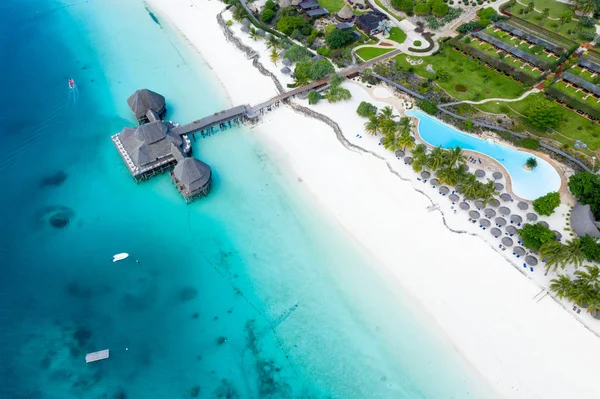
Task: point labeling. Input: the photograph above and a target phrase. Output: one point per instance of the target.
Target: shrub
(587, 22)
(543, 114)
(366, 109)
(404, 5)
(422, 9)
(297, 53)
(417, 43)
(442, 75)
(535, 235)
(460, 88)
(324, 51)
(488, 14)
(590, 248)
(439, 9)
(530, 143)
(468, 27)
(287, 25)
(566, 16)
(339, 38)
(428, 106)
(468, 124)
(270, 5)
(432, 22)
(314, 97)
(547, 204)
(585, 187)
(319, 69)
(267, 15)
(587, 35)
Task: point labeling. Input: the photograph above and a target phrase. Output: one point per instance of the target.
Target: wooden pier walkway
(243, 112)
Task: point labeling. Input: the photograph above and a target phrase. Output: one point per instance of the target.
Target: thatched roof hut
(474, 214)
(480, 173)
(287, 62)
(286, 70)
(532, 217)
(345, 14)
(519, 251)
(516, 219)
(464, 206)
(497, 175)
(499, 186)
(504, 210)
(496, 232)
(507, 241)
(484, 223)
(583, 221)
(145, 100)
(500, 221)
(523, 205)
(489, 213)
(192, 177)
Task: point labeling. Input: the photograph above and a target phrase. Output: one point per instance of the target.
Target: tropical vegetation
(585, 186)
(583, 290)
(535, 235)
(336, 92)
(531, 163)
(546, 204)
(366, 109)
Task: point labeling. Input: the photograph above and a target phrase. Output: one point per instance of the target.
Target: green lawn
(583, 73)
(380, 4)
(556, 8)
(397, 35)
(473, 80)
(568, 30)
(520, 44)
(573, 126)
(367, 53)
(332, 6)
(577, 93)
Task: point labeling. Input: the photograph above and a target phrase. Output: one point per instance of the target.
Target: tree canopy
(297, 53)
(406, 6)
(585, 186)
(366, 109)
(422, 9)
(339, 38)
(547, 204)
(590, 248)
(428, 106)
(314, 97)
(288, 25)
(536, 235)
(439, 8)
(544, 114)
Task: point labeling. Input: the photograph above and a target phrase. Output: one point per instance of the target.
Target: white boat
(120, 256)
(95, 356)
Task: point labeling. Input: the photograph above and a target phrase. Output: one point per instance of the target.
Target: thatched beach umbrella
(464, 206)
(507, 241)
(504, 210)
(425, 174)
(496, 232)
(465, 168)
(494, 202)
(261, 32)
(434, 182)
(511, 230)
(454, 198)
(286, 70)
(497, 175)
(505, 197)
(478, 204)
(557, 234)
(444, 190)
(408, 161)
(532, 217)
(531, 260)
(245, 29)
(233, 9)
(479, 173)
(474, 214)
(246, 22)
(485, 223)
(519, 251)
(286, 62)
(523, 205)
(489, 213)
(399, 154)
(500, 221)
(516, 219)
(544, 224)
(499, 186)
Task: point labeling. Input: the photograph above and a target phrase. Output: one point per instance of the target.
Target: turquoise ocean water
(249, 293)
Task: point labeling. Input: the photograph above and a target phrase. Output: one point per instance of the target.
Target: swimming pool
(525, 184)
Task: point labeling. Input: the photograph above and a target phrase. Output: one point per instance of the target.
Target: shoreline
(458, 323)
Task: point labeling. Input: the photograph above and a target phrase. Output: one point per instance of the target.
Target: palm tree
(419, 158)
(390, 141)
(574, 253)
(581, 294)
(561, 286)
(372, 125)
(594, 306)
(487, 191)
(590, 277)
(387, 113)
(455, 157)
(469, 185)
(272, 42)
(274, 55)
(447, 175)
(436, 158)
(554, 251)
(253, 34)
(585, 6)
(404, 124)
(405, 141)
(388, 126)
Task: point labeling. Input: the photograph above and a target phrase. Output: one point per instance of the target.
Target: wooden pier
(95, 356)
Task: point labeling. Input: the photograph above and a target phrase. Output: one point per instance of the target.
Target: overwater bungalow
(147, 105)
(192, 178)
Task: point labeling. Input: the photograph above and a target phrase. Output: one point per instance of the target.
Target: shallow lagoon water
(248, 293)
(525, 183)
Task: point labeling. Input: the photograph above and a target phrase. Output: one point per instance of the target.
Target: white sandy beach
(486, 307)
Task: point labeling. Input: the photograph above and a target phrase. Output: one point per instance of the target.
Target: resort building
(583, 222)
(147, 105)
(345, 14)
(369, 22)
(192, 177)
(308, 5)
(312, 9)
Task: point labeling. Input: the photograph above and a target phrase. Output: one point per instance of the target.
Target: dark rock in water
(54, 180)
(216, 318)
(119, 394)
(75, 352)
(230, 311)
(59, 221)
(46, 362)
(226, 390)
(199, 357)
(221, 340)
(195, 315)
(195, 391)
(188, 293)
(82, 336)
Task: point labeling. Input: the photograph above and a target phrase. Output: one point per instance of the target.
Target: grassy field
(556, 8)
(397, 35)
(568, 30)
(469, 79)
(520, 44)
(332, 6)
(367, 53)
(573, 126)
(583, 73)
(577, 93)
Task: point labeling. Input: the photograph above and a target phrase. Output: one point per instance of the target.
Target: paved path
(505, 100)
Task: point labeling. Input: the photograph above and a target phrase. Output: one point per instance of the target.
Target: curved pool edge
(509, 186)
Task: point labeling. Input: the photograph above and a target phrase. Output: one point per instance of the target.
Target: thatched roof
(434, 182)
(444, 190)
(425, 174)
(497, 175)
(143, 100)
(489, 213)
(148, 143)
(484, 223)
(478, 204)
(531, 260)
(245, 29)
(523, 205)
(464, 206)
(507, 241)
(545, 224)
(474, 214)
(286, 62)
(193, 174)
(454, 198)
(557, 234)
(479, 173)
(505, 197)
(496, 232)
(399, 154)
(583, 221)
(511, 230)
(246, 22)
(500, 221)
(345, 13)
(499, 186)
(519, 251)
(317, 57)
(531, 217)
(516, 219)
(504, 210)
(286, 70)
(494, 202)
